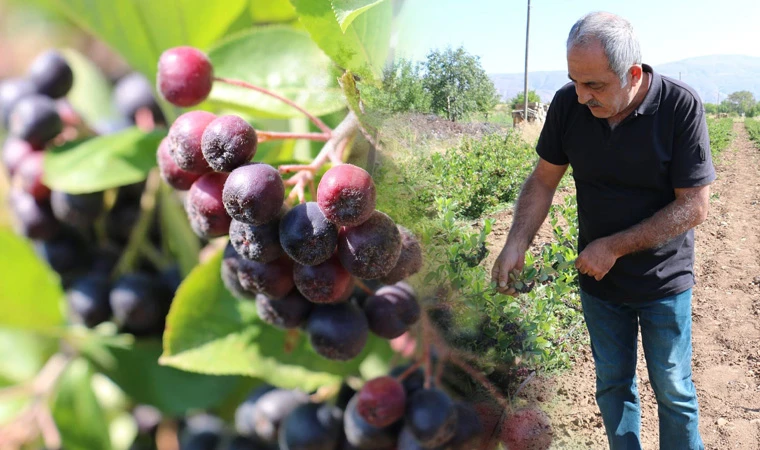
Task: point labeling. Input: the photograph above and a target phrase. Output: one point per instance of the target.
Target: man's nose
(584, 96)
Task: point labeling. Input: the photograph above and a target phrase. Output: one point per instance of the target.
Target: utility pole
(527, 35)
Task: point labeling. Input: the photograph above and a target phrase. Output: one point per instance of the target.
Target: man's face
(597, 86)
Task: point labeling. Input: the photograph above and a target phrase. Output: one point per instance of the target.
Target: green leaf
(140, 30)
(76, 411)
(209, 331)
(269, 11)
(280, 59)
(90, 95)
(348, 10)
(363, 48)
(24, 354)
(182, 241)
(103, 162)
(30, 293)
(136, 371)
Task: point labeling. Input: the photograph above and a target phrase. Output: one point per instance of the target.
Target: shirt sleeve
(549, 145)
(691, 164)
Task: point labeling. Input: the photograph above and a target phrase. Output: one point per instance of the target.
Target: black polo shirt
(624, 175)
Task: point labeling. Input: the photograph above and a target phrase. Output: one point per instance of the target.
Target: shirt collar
(651, 101)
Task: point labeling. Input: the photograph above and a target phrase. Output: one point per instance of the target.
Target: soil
(726, 324)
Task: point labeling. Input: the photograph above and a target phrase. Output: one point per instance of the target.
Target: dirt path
(726, 327)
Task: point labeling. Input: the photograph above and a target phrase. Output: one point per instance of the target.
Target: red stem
(264, 136)
(321, 125)
(408, 371)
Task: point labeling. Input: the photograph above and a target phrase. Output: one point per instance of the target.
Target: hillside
(710, 76)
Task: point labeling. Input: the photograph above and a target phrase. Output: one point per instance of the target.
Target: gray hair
(620, 44)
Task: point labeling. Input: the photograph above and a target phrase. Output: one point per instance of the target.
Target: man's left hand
(596, 259)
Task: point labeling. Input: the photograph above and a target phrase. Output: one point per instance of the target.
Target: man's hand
(596, 259)
(510, 260)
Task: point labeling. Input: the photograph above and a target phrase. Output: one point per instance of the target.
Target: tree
(519, 100)
(711, 108)
(740, 102)
(457, 84)
(401, 89)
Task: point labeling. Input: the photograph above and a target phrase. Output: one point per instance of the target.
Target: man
(639, 148)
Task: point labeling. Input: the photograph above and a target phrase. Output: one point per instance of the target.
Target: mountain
(711, 76)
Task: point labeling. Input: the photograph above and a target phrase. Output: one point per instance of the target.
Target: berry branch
(314, 119)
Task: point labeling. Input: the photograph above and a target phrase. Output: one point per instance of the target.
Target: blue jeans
(666, 338)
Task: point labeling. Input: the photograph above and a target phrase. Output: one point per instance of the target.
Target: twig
(456, 360)
(410, 370)
(264, 136)
(523, 384)
(314, 119)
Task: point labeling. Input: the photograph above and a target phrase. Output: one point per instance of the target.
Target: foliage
(480, 174)
(753, 129)
(457, 83)
(721, 134)
(519, 100)
(538, 328)
(401, 90)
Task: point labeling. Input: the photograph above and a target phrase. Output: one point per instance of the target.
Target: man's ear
(636, 72)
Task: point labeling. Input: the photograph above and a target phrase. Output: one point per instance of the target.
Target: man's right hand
(510, 260)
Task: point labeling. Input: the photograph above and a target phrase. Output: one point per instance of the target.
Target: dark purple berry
(138, 302)
(34, 218)
(185, 140)
(68, 254)
(383, 318)
(326, 282)
(134, 92)
(35, 119)
(11, 91)
(257, 242)
(370, 250)
(381, 401)
(337, 331)
(228, 142)
(230, 265)
(312, 426)
(402, 297)
(346, 195)
(51, 74)
(273, 279)
(185, 76)
(88, 300)
(409, 261)
(171, 173)
(204, 206)
(271, 409)
(287, 312)
(431, 417)
(306, 235)
(254, 193)
(78, 210)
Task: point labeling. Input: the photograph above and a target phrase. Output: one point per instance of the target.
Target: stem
(523, 384)
(361, 285)
(314, 119)
(410, 370)
(426, 353)
(140, 231)
(264, 136)
(456, 360)
(152, 254)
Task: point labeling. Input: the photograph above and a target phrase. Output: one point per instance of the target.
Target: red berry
(184, 139)
(185, 76)
(172, 174)
(204, 206)
(382, 401)
(29, 174)
(346, 195)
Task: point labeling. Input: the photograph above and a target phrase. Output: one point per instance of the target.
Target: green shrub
(753, 128)
(721, 134)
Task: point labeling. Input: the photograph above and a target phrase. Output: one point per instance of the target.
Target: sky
(494, 30)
